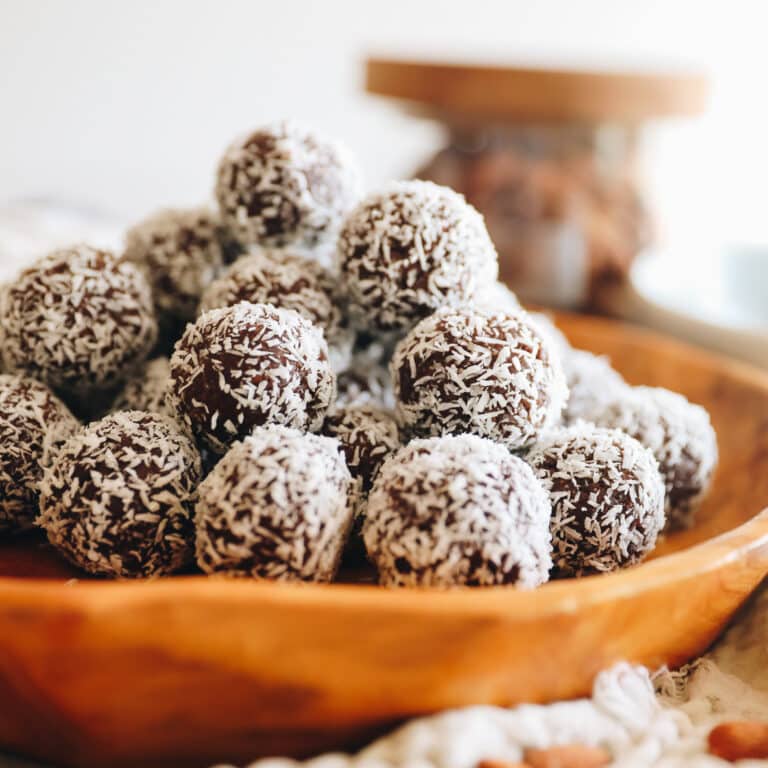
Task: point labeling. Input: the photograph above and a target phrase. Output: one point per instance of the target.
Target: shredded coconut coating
(290, 281)
(33, 425)
(592, 384)
(146, 391)
(490, 374)
(409, 250)
(681, 437)
(498, 297)
(460, 510)
(284, 185)
(119, 499)
(367, 380)
(248, 365)
(367, 436)
(78, 319)
(371, 385)
(547, 328)
(279, 506)
(180, 251)
(607, 498)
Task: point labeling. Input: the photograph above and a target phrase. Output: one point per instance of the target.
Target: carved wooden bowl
(190, 671)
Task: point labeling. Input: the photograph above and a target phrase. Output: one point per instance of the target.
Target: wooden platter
(192, 671)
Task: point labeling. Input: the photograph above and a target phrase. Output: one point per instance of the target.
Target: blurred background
(110, 110)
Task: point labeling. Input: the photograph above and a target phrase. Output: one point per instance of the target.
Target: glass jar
(552, 160)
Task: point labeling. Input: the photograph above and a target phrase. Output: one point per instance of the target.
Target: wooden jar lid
(530, 94)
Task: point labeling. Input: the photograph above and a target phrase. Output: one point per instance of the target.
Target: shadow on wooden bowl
(189, 671)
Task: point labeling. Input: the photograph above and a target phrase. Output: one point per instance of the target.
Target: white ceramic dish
(718, 300)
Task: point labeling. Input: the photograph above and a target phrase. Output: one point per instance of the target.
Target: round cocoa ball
(180, 252)
(282, 185)
(78, 319)
(146, 390)
(592, 384)
(367, 436)
(248, 365)
(279, 506)
(681, 438)
(409, 250)
(489, 374)
(458, 510)
(290, 281)
(33, 425)
(119, 499)
(607, 498)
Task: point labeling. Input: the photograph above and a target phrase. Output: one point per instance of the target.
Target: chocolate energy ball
(460, 510)
(146, 391)
(490, 374)
(409, 250)
(78, 319)
(284, 185)
(367, 436)
(279, 505)
(290, 281)
(181, 253)
(681, 438)
(607, 498)
(119, 499)
(592, 384)
(248, 365)
(33, 425)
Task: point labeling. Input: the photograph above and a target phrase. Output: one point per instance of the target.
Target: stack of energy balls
(300, 375)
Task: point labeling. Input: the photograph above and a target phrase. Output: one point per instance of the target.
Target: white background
(126, 106)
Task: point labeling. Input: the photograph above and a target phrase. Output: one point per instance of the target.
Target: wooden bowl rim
(555, 597)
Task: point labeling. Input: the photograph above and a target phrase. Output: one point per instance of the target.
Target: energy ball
(489, 374)
(409, 250)
(279, 505)
(119, 499)
(181, 253)
(78, 319)
(284, 185)
(367, 436)
(248, 365)
(459, 510)
(146, 391)
(289, 281)
(592, 384)
(33, 425)
(681, 438)
(607, 498)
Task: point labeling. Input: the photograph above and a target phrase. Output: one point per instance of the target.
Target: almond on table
(739, 740)
(568, 756)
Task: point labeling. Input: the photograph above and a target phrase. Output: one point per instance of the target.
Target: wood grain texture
(188, 671)
(526, 94)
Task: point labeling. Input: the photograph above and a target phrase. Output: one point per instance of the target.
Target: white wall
(126, 105)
